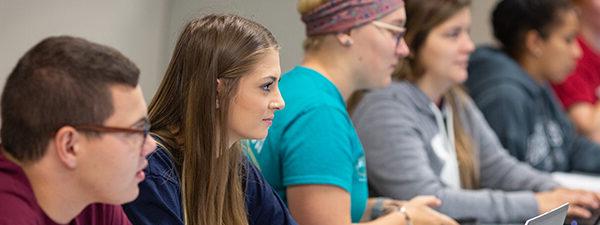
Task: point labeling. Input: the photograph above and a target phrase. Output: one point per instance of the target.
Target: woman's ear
(219, 88)
(219, 85)
(534, 43)
(344, 39)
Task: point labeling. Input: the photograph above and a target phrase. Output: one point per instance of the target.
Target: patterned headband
(341, 15)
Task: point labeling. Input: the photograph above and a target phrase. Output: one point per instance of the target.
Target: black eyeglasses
(396, 31)
(108, 129)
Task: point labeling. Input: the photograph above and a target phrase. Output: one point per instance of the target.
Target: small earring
(217, 103)
(537, 52)
(347, 42)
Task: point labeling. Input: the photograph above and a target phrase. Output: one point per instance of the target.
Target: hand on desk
(580, 201)
(420, 211)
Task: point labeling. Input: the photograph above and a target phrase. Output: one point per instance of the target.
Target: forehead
(266, 66)
(128, 105)
(565, 22)
(568, 19)
(460, 17)
(398, 16)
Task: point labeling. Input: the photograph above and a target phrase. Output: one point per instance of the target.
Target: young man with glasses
(74, 135)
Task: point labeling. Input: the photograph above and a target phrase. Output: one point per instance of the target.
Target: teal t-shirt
(312, 140)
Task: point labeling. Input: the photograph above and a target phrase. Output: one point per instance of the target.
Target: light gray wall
(481, 28)
(279, 16)
(146, 30)
(135, 27)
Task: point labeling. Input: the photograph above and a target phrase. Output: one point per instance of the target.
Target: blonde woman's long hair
(190, 117)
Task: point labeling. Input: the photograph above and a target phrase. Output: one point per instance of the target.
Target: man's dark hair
(60, 81)
(512, 19)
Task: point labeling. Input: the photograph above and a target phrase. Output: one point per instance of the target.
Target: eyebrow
(390, 26)
(272, 78)
(399, 22)
(141, 121)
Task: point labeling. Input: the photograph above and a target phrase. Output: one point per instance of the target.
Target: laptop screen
(554, 217)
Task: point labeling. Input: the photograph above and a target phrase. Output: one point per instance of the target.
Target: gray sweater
(396, 126)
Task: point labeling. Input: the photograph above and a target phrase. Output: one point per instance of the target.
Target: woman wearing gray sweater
(424, 136)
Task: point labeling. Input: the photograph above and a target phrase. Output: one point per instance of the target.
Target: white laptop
(553, 217)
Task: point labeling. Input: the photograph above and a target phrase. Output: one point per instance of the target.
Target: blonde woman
(312, 155)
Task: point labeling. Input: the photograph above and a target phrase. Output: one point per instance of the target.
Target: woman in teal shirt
(312, 155)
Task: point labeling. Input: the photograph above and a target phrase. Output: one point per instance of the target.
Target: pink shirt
(18, 205)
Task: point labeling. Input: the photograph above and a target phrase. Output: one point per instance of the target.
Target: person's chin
(259, 134)
(558, 79)
(461, 76)
(123, 196)
(382, 83)
(132, 196)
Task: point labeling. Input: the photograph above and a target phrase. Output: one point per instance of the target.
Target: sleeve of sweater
(585, 154)
(498, 169)
(398, 167)
(507, 112)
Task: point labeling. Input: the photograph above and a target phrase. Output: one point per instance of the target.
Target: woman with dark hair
(424, 136)
(579, 93)
(312, 155)
(221, 86)
(511, 84)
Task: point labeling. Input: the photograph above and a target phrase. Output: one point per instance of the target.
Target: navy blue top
(159, 202)
(526, 116)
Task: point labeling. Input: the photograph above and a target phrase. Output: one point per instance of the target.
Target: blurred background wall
(146, 30)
